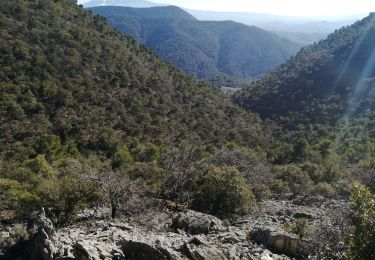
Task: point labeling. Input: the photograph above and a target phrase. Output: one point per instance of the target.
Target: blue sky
(282, 7)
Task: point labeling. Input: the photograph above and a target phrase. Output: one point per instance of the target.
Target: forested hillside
(201, 48)
(74, 91)
(323, 82)
(324, 100)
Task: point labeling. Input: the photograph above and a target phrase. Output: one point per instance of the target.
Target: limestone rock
(280, 241)
(188, 235)
(137, 250)
(196, 249)
(83, 250)
(41, 245)
(41, 222)
(196, 223)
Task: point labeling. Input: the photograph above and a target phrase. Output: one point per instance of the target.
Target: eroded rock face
(142, 250)
(84, 250)
(41, 243)
(10, 236)
(196, 223)
(109, 240)
(266, 227)
(197, 249)
(280, 241)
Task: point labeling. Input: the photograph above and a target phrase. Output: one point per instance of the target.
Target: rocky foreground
(175, 235)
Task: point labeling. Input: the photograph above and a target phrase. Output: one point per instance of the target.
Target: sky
(280, 7)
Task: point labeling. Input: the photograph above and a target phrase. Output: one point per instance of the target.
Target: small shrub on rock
(300, 227)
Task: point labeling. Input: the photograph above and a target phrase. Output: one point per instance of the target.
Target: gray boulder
(196, 223)
(197, 249)
(279, 241)
(85, 251)
(139, 250)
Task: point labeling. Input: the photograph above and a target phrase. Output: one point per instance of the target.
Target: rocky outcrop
(94, 240)
(196, 223)
(177, 236)
(92, 250)
(147, 251)
(41, 243)
(105, 239)
(266, 227)
(10, 237)
(279, 241)
(197, 249)
(140, 250)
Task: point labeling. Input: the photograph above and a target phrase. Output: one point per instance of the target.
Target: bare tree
(115, 185)
(255, 170)
(182, 164)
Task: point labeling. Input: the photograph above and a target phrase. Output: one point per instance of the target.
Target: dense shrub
(296, 179)
(224, 191)
(362, 242)
(34, 184)
(324, 189)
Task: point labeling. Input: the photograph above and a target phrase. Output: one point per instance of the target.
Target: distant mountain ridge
(202, 48)
(155, 12)
(305, 30)
(323, 82)
(129, 3)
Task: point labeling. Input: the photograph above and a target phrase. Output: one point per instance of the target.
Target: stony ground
(177, 235)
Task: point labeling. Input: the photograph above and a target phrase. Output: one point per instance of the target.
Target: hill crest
(202, 48)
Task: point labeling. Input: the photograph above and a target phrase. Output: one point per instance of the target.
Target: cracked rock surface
(182, 235)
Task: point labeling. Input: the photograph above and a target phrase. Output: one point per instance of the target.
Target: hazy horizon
(305, 8)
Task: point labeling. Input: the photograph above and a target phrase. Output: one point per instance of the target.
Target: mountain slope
(67, 73)
(201, 48)
(323, 81)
